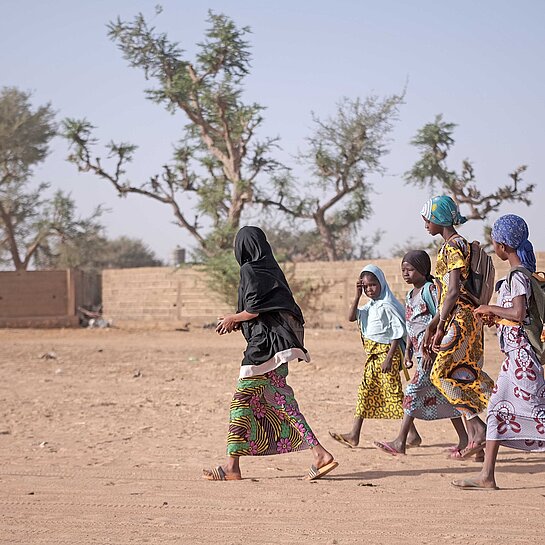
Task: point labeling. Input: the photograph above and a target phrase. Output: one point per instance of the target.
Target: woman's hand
(482, 310)
(408, 359)
(427, 362)
(437, 338)
(226, 324)
(486, 315)
(232, 322)
(387, 365)
(427, 341)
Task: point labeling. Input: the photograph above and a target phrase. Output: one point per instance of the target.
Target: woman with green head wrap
(454, 334)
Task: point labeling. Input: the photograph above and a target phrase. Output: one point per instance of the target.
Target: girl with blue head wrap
(512, 231)
(516, 414)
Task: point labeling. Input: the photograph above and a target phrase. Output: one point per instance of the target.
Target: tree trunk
(12, 243)
(325, 234)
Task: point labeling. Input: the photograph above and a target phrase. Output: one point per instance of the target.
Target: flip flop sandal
(387, 449)
(315, 473)
(470, 484)
(340, 439)
(468, 452)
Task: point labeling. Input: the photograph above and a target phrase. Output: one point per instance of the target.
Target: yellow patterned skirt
(380, 394)
(457, 370)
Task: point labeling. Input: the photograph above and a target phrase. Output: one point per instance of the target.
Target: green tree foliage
(223, 274)
(30, 221)
(293, 244)
(431, 171)
(219, 158)
(93, 251)
(342, 152)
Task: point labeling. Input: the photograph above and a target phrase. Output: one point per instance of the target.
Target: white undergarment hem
(277, 360)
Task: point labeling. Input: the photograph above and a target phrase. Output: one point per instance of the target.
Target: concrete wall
(45, 298)
(164, 297)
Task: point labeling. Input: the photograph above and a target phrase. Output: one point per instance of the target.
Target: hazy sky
(480, 64)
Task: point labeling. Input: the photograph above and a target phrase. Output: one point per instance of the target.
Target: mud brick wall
(43, 298)
(165, 297)
(158, 296)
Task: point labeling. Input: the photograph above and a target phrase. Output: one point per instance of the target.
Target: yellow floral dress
(380, 395)
(457, 370)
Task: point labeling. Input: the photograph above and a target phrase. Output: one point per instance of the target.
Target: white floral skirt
(516, 411)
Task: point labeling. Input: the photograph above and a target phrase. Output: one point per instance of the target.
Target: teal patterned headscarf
(443, 211)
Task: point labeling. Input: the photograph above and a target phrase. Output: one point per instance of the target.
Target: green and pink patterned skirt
(265, 418)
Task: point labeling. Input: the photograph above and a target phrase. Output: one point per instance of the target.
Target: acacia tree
(29, 221)
(219, 158)
(341, 154)
(434, 140)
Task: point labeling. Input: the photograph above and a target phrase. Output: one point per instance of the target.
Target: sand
(103, 435)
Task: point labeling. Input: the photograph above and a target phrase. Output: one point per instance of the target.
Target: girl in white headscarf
(382, 328)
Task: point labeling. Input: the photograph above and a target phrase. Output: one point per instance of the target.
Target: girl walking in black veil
(264, 416)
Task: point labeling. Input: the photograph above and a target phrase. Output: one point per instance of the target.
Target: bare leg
(399, 444)
(413, 437)
(458, 424)
(486, 478)
(476, 430)
(353, 436)
(322, 457)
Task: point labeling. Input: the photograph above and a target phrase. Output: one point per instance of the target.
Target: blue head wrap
(513, 231)
(443, 211)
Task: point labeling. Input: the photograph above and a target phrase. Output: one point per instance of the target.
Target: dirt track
(105, 443)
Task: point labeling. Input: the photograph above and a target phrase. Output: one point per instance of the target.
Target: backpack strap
(538, 295)
(428, 298)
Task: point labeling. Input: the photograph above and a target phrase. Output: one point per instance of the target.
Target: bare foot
(391, 447)
(477, 483)
(414, 439)
(457, 448)
(345, 439)
(322, 457)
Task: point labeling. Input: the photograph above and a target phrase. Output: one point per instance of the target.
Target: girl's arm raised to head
(353, 310)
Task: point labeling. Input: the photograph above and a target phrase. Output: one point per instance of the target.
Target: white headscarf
(382, 320)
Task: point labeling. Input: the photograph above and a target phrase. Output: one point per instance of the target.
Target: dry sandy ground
(105, 444)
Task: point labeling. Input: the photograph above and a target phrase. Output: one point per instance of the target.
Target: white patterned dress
(516, 411)
(422, 399)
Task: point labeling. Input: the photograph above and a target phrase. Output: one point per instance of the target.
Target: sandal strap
(218, 474)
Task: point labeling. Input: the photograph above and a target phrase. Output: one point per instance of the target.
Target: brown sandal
(217, 474)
